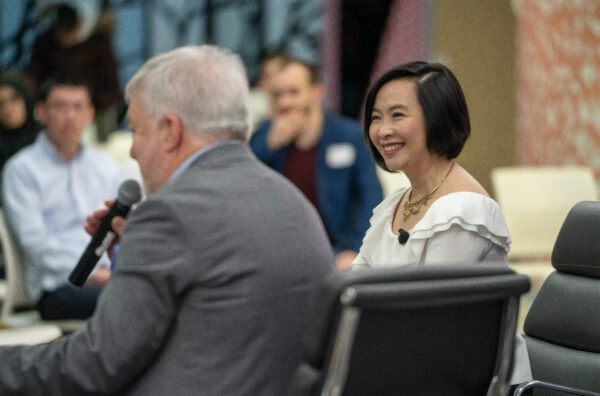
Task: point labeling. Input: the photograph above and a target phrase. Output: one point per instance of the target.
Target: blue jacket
(347, 184)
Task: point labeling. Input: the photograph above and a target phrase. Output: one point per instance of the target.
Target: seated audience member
(66, 48)
(216, 270)
(416, 121)
(260, 95)
(18, 127)
(322, 154)
(48, 189)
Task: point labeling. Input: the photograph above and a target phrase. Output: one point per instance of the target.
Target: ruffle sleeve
(468, 210)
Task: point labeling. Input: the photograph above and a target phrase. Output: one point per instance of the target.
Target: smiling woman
(416, 121)
(397, 125)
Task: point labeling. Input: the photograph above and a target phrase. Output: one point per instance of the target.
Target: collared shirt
(46, 200)
(186, 164)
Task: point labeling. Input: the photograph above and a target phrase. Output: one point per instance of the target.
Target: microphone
(403, 236)
(129, 193)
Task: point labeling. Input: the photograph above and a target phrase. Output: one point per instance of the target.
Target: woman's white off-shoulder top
(460, 227)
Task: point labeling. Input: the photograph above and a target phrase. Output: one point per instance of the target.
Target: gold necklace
(411, 208)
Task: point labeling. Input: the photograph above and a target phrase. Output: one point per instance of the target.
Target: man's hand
(286, 128)
(117, 224)
(99, 277)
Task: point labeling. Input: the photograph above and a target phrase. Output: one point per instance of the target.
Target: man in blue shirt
(48, 189)
(322, 154)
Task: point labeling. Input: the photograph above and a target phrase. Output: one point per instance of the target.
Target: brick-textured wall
(558, 82)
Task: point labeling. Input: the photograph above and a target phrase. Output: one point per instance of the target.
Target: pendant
(411, 208)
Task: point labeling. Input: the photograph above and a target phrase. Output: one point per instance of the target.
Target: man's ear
(172, 132)
(317, 92)
(91, 113)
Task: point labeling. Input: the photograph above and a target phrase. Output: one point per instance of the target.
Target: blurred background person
(18, 127)
(63, 48)
(417, 122)
(322, 154)
(48, 189)
(260, 94)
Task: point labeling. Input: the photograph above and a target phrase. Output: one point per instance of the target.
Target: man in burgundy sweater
(322, 154)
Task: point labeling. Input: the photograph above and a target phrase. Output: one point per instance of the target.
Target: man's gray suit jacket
(210, 294)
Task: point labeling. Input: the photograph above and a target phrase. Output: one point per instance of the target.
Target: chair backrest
(562, 326)
(535, 201)
(17, 295)
(412, 331)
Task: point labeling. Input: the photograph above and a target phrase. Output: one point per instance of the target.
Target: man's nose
(285, 101)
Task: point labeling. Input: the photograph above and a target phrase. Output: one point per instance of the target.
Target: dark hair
(273, 55)
(312, 68)
(66, 17)
(442, 100)
(69, 80)
(17, 80)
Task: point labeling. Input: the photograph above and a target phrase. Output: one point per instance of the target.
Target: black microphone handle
(101, 240)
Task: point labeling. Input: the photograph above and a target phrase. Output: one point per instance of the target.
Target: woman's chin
(393, 165)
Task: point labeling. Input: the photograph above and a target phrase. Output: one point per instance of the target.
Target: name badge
(340, 155)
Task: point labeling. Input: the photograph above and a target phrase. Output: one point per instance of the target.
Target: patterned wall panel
(145, 28)
(251, 28)
(558, 80)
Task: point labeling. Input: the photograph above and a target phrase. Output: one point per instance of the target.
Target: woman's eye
(375, 117)
(397, 114)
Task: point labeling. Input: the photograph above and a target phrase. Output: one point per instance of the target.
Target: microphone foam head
(403, 236)
(129, 192)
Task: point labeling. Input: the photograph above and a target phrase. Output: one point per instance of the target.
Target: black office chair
(562, 326)
(430, 330)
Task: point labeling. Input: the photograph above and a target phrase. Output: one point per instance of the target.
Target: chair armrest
(541, 384)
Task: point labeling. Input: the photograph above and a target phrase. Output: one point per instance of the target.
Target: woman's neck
(428, 176)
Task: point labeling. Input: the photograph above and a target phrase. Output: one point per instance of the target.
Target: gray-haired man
(216, 269)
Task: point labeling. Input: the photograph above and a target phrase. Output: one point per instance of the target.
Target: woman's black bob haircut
(442, 100)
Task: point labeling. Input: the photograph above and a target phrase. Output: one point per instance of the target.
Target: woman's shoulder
(464, 197)
(462, 181)
(464, 202)
(470, 211)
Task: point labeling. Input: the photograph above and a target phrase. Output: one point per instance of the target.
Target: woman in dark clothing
(18, 127)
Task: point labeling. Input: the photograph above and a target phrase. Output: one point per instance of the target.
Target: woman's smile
(392, 148)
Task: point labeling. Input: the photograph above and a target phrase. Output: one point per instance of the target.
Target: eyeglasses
(63, 107)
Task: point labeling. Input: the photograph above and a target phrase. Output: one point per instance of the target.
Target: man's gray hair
(205, 86)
